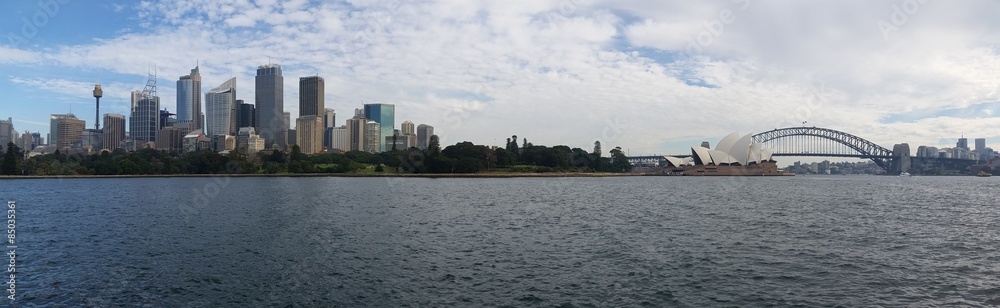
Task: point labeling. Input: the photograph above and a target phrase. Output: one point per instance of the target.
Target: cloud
(558, 71)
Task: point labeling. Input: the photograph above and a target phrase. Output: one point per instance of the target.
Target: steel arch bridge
(816, 141)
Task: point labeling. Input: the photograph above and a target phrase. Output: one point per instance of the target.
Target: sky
(653, 77)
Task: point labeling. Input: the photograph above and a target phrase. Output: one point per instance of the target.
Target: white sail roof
(701, 155)
(721, 157)
(727, 142)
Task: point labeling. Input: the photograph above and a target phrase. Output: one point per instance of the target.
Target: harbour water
(515, 242)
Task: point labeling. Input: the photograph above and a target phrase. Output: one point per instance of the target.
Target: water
(569, 242)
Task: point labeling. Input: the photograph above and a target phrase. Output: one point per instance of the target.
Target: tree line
(462, 157)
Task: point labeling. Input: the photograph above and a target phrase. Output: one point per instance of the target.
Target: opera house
(733, 156)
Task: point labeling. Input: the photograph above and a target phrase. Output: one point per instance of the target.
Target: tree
(11, 160)
(434, 146)
(297, 154)
(504, 157)
(597, 161)
(619, 162)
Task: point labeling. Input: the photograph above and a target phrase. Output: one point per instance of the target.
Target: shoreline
(348, 175)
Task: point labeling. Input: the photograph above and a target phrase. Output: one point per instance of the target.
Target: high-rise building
(329, 118)
(311, 92)
(114, 131)
(340, 139)
(66, 130)
(189, 99)
(220, 109)
(269, 101)
(167, 119)
(398, 141)
(247, 115)
(170, 139)
(145, 119)
(407, 128)
(356, 133)
(385, 115)
(288, 121)
(424, 133)
(92, 139)
(7, 132)
(963, 143)
(36, 140)
(980, 144)
(24, 142)
(373, 137)
(309, 134)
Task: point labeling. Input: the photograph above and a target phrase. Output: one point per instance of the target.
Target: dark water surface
(531, 242)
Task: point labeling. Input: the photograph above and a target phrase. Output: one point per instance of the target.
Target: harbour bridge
(816, 141)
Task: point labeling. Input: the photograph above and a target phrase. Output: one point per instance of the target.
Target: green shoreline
(349, 175)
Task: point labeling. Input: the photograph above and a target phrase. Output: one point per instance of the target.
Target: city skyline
(563, 55)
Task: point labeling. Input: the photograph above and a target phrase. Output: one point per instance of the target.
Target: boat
(984, 174)
(904, 174)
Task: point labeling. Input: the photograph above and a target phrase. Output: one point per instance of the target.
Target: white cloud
(559, 71)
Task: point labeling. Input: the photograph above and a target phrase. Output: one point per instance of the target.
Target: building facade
(66, 130)
(340, 140)
(247, 115)
(269, 102)
(356, 133)
(329, 120)
(248, 141)
(170, 139)
(145, 119)
(220, 109)
(114, 131)
(311, 92)
(309, 134)
(7, 132)
(373, 137)
(424, 133)
(189, 99)
(385, 115)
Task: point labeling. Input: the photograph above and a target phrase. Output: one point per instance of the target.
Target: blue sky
(652, 77)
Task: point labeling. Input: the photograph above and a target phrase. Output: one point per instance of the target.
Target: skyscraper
(189, 99)
(356, 133)
(66, 130)
(309, 134)
(145, 118)
(963, 143)
(384, 114)
(114, 131)
(424, 133)
(339, 138)
(373, 144)
(248, 115)
(311, 92)
(407, 128)
(7, 132)
(269, 101)
(980, 144)
(329, 118)
(220, 109)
